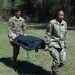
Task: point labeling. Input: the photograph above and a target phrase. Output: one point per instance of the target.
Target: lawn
(38, 63)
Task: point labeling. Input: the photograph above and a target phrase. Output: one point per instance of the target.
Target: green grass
(38, 63)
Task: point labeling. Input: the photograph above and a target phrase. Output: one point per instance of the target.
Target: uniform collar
(17, 18)
(58, 23)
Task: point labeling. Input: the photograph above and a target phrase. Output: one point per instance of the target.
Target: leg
(62, 57)
(56, 60)
(16, 50)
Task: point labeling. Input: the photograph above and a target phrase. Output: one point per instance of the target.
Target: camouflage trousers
(16, 50)
(59, 58)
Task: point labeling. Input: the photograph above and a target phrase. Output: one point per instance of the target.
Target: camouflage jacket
(16, 27)
(56, 34)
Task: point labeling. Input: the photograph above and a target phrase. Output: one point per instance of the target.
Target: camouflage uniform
(16, 27)
(55, 39)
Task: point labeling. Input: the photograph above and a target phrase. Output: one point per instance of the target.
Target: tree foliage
(44, 10)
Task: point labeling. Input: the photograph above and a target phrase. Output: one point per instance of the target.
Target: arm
(24, 28)
(9, 28)
(48, 35)
(65, 41)
(11, 35)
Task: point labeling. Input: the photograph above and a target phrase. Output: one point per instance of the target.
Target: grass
(38, 63)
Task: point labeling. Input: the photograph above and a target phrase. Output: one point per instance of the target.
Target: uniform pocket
(55, 44)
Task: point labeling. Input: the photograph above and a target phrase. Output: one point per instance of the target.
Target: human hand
(10, 39)
(46, 48)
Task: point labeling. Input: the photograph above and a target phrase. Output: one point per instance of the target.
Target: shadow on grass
(25, 67)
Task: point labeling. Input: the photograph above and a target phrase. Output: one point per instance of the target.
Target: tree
(42, 10)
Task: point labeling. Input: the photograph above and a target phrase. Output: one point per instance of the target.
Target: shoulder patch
(56, 23)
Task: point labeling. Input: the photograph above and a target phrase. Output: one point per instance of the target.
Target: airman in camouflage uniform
(16, 27)
(55, 40)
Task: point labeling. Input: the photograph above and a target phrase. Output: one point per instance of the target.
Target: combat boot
(54, 73)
